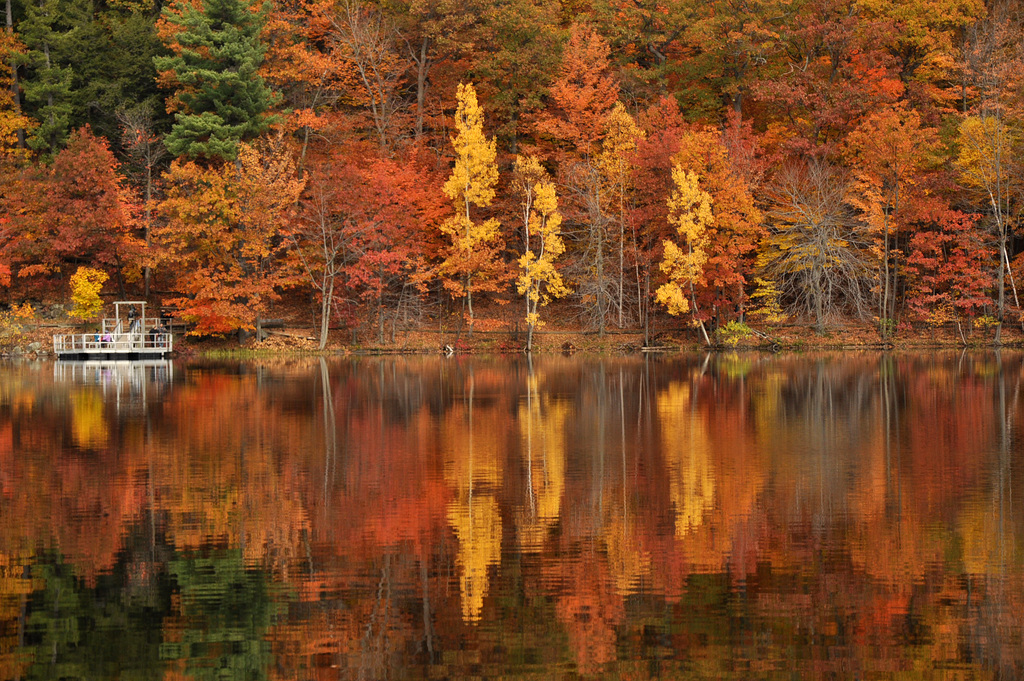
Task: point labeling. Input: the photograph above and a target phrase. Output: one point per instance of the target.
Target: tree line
(409, 160)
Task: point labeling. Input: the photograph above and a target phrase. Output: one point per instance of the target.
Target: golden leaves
(621, 135)
(690, 212)
(86, 284)
(689, 207)
(539, 281)
(475, 173)
(473, 255)
(987, 146)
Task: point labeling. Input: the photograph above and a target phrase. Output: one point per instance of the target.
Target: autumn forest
(393, 164)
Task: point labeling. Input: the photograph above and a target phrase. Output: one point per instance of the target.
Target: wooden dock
(128, 335)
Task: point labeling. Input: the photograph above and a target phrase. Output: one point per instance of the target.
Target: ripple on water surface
(727, 516)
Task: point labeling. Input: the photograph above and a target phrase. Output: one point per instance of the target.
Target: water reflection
(731, 516)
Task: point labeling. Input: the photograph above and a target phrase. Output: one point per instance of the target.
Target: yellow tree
(988, 147)
(86, 284)
(472, 259)
(539, 281)
(689, 211)
(621, 135)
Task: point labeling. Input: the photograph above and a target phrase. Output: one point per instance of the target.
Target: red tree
(950, 259)
(74, 212)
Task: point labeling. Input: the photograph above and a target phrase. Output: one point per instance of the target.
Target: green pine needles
(222, 98)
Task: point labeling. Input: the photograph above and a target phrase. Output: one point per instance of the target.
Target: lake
(736, 516)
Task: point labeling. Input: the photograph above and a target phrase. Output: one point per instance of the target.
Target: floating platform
(126, 336)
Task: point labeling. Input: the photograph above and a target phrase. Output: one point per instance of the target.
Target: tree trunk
(422, 68)
(147, 273)
(622, 262)
(469, 303)
(819, 309)
(529, 323)
(601, 311)
(885, 286)
(696, 315)
(302, 154)
(1001, 288)
(49, 93)
(325, 311)
(645, 306)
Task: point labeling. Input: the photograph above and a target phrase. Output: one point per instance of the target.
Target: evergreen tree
(221, 99)
(47, 26)
(113, 58)
(81, 62)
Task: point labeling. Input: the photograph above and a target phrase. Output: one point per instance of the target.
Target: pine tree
(47, 27)
(221, 100)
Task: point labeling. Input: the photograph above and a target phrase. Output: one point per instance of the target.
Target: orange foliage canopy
(223, 228)
(582, 94)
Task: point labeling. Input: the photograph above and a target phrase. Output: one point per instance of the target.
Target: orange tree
(221, 234)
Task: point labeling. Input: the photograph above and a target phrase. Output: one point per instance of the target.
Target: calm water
(736, 516)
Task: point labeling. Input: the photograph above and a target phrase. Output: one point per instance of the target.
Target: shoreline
(297, 341)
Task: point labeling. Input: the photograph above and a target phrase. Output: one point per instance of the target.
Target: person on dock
(157, 335)
(133, 321)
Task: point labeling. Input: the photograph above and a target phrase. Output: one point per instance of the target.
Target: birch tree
(538, 281)
(988, 145)
(689, 211)
(472, 262)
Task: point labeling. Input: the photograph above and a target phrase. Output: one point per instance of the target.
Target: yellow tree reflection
(473, 470)
(88, 426)
(688, 458)
(542, 430)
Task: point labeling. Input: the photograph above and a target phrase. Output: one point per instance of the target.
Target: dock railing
(113, 341)
(128, 332)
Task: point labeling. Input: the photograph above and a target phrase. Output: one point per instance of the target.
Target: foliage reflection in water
(728, 516)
